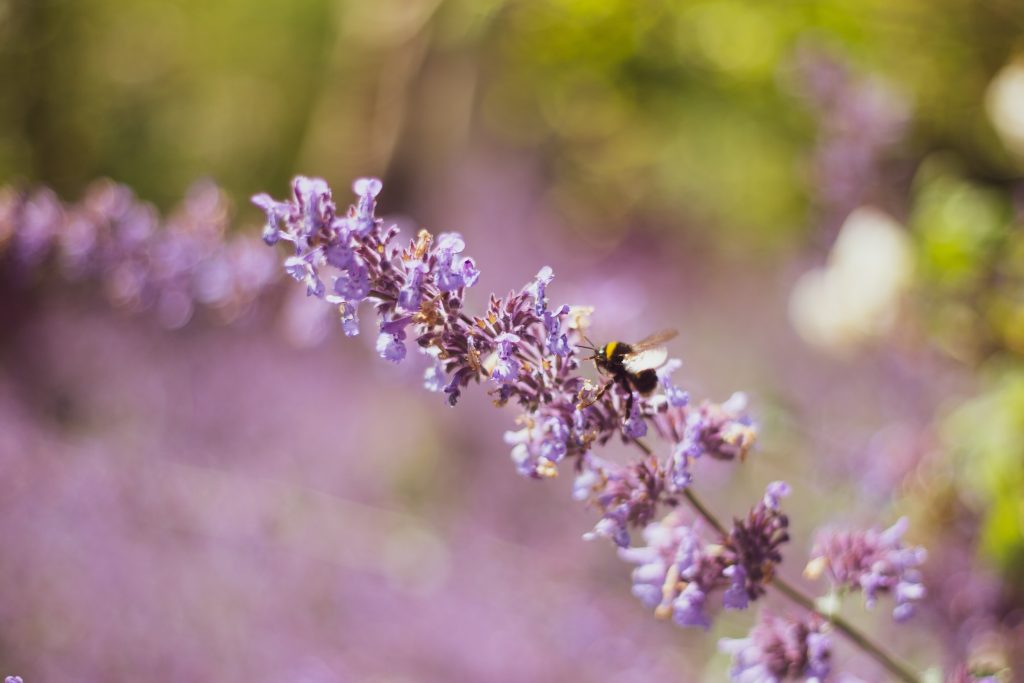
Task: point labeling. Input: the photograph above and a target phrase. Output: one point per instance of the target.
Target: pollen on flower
(741, 437)
(546, 469)
(423, 240)
(587, 395)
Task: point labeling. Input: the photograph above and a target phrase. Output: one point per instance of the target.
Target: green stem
(897, 669)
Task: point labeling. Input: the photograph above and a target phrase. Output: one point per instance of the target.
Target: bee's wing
(645, 359)
(656, 339)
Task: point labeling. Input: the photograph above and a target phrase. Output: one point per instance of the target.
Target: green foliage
(158, 93)
(986, 437)
(667, 115)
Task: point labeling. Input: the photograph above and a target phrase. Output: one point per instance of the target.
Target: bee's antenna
(592, 346)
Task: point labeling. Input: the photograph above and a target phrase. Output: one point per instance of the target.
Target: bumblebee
(632, 366)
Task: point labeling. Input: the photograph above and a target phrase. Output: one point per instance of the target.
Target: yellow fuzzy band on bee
(609, 349)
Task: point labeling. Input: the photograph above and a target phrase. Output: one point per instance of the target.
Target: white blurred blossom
(1005, 104)
(855, 297)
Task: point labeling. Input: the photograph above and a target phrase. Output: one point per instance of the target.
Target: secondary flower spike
(781, 649)
(679, 568)
(872, 561)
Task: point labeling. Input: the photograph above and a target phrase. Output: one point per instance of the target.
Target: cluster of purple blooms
(526, 351)
(141, 261)
(679, 568)
(874, 562)
(781, 648)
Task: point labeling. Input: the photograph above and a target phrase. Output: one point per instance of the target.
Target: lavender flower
(14, 679)
(755, 541)
(874, 562)
(720, 430)
(679, 568)
(676, 571)
(627, 495)
(141, 262)
(780, 649)
(524, 346)
(527, 348)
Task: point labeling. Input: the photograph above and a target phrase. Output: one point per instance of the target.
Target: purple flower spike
(874, 562)
(755, 542)
(781, 649)
(677, 571)
(721, 431)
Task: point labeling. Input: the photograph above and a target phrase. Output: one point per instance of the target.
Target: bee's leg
(629, 398)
